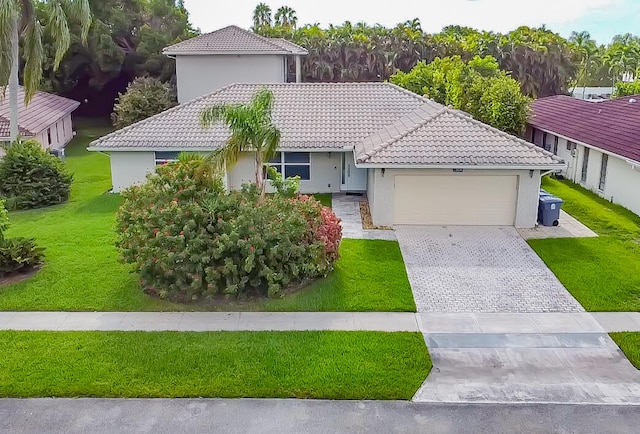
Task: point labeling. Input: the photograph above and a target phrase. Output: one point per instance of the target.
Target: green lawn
(83, 271)
(332, 365)
(323, 198)
(629, 343)
(602, 273)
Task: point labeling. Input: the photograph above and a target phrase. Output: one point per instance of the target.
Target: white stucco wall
(130, 168)
(325, 173)
(527, 201)
(203, 74)
(622, 183)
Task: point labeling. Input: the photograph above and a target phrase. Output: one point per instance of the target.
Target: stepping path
(347, 208)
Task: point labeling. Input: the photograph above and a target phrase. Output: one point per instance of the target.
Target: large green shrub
(190, 239)
(145, 97)
(30, 177)
(16, 254)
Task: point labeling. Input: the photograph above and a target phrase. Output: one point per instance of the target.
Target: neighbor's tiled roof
(436, 135)
(309, 115)
(43, 110)
(611, 125)
(234, 40)
(5, 129)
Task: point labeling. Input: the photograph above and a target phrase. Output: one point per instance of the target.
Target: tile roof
(309, 115)
(43, 110)
(610, 125)
(435, 135)
(384, 123)
(234, 40)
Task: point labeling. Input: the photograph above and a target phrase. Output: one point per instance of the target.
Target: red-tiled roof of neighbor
(611, 125)
(43, 110)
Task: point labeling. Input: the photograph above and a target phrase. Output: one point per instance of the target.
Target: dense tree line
(125, 41)
(542, 61)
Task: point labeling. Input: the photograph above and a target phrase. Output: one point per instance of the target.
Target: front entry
(353, 179)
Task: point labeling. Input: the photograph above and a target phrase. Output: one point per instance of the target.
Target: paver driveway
(478, 269)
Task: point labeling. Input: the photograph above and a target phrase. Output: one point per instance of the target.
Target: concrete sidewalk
(284, 416)
(455, 323)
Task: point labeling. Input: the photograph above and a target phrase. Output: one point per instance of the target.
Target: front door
(353, 179)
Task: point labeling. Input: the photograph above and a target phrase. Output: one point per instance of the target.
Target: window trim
(604, 162)
(555, 145)
(161, 161)
(585, 165)
(281, 165)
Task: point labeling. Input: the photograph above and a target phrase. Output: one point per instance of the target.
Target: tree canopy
(477, 87)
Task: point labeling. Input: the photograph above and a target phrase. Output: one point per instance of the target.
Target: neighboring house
(232, 55)
(418, 161)
(47, 118)
(600, 143)
(592, 93)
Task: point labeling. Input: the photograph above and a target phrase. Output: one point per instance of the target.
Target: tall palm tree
(261, 17)
(286, 18)
(251, 130)
(19, 20)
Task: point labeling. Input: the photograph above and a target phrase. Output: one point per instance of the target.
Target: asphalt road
(280, 416)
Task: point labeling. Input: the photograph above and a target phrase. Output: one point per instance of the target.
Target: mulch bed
(18, 276)
(367, 221)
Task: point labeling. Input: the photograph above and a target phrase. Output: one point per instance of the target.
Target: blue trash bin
(543, 193)
(549, 209)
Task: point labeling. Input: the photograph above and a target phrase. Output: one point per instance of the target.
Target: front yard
(602, 273)
(331, 365)
(629, 343)
(83, 270)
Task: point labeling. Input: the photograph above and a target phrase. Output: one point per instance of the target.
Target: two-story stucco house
(232, 55)
(600, 141)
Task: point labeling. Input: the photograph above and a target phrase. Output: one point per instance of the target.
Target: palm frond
(8, 18)
(34, 54)
(211, 115)
(80, 10)
(59, 29)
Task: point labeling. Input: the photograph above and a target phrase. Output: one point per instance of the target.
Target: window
(603, 172)
(48, 136)
(555, 145)
(291, 164)
(163, 157)
(570, 146)
(585, 165)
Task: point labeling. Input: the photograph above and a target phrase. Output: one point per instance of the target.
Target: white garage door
(455, 200)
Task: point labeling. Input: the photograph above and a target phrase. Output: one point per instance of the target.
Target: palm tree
(19, 20)
(286, 18)
(261, 17)
(251, 130)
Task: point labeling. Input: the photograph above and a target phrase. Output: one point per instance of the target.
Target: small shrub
(30, 177)
(190, 239)
(144, 98)
(16, 254)
(19, 254)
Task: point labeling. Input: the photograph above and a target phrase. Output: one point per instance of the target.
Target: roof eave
(231, 53)
(557, 166)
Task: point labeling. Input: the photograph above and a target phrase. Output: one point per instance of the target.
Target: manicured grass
(602, 273)
(323, 198)
(83, 270)
(334, 365)
(629, 343)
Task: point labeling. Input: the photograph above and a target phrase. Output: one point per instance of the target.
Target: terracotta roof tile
(611, 125)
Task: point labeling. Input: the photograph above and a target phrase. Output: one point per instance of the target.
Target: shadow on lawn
(106, 203)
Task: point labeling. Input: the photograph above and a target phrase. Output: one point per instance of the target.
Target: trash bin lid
(550, 199)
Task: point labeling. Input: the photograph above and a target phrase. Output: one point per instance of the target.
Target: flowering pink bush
(189, 239)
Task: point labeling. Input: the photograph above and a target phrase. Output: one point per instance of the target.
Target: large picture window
(291, 164)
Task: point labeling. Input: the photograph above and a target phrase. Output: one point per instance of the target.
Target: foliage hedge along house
(47, 118)
(419, 162)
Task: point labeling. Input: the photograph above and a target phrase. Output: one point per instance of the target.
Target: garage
(488, 200)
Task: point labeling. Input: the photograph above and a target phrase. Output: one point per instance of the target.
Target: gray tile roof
(434, 135)
(309, 115)
(43, 110)
(234, 40)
